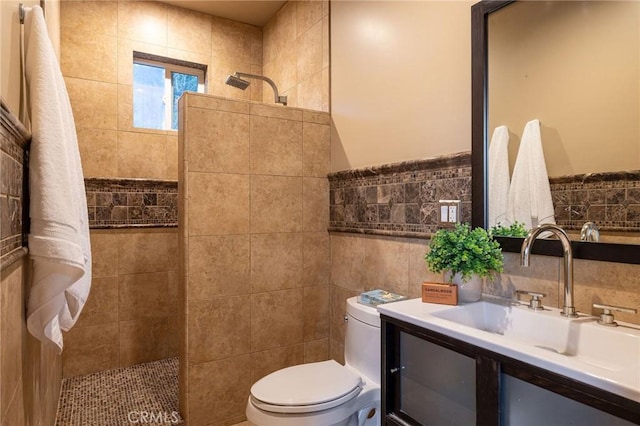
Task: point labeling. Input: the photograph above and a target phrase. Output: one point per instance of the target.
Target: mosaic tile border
(131, 203)
(14, 142)
(399, 199)
(611, 200)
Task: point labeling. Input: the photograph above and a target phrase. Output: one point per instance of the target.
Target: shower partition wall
(254, 248)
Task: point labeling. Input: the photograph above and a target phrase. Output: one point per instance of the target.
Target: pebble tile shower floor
(142, 394)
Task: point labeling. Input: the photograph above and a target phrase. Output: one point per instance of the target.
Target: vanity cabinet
(429, 378)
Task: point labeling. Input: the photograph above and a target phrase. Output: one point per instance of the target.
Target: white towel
(499, 177)
(530, 200)
(59, 237)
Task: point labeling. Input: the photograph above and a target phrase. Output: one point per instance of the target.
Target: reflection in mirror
(575, 67)
(592, 121)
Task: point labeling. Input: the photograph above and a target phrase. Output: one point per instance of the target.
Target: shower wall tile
(316, 350)
(276, 146)
(94, 56)
(308, 13)
(309, 55)
(94, 103)
(98, 152)
(102, 303)
(276, 319)
(223, 206)
(315, 204)
(276, 204)
(91, 348)
(219, 266)
(140, 252)
(316, 259)
(11, 335)
(126, 47)
(218, 141)
(172, 154)
(266, 362)
(218, 328)
(148, 339)
(218, 390)
(147, 295)
(142, 155)
(99, 16)
(316, 153)
(189, 28)
(276, 261)
(154, 16)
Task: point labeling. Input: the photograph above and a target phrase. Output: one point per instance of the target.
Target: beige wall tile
(316, 258)
(336, 350)
(316, 148)
(147, 295)
(386, 264)
(223, 204)
(266, 362)
(348, 262)
(197, 100)
(98, 152)
(317, 117)
(233, 39)
(219, 266)
(142, 155)
(276, 146)
(275, 111)
(126, 47)
(279, 30)
(218, 328)
(90, 349)
(218, 141)
(172, 157)
(276, 319)
(309, 55)
(315, 200)
(140, 252)
(316, 350)
(308, 13)
(316, 312)
(218, 390)
(15, 411)
(276, 261)
(326, 44)
(310, 92)
(418, 271)
(217, 73)
(12, 329)
(94, 103)
(102, 304)
(104, 253)
(94, 56)
(338, 307)
(143, 21)
(99, 16)
(188, 30)
(148, 339)
(276, 204)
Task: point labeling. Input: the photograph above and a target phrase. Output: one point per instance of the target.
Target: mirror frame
(606, 252)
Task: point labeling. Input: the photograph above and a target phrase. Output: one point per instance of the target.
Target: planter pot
(470, 291)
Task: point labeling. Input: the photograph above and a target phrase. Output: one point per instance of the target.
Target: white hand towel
(499, 176)
(59, 236)
(530, 200)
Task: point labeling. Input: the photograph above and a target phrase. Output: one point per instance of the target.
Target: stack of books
(378, 297)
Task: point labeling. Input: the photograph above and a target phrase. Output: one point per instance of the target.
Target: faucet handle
(535, 302)
(606, 318)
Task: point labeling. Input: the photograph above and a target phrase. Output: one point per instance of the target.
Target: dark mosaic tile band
(611, 200)
(399, 199)
(131, 203)
(14, 140)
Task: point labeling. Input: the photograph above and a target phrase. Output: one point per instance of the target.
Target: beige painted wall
(400, 81)
(584, 89)
(10, 68)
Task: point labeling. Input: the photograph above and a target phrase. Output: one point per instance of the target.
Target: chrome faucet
(568, 310)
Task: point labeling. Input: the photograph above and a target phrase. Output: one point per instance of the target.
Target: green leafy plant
(517, 229)
(466, 251)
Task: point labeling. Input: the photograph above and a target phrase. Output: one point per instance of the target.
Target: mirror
(507, 89)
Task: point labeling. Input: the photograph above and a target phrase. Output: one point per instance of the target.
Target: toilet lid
(306, 387)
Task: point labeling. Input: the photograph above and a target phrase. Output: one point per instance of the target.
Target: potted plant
(466, 256)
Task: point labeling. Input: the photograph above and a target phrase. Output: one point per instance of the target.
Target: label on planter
(444, 294)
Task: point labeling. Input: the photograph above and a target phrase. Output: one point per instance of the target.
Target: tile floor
(142, 394)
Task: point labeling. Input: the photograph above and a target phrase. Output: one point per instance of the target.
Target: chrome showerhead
(235, 81)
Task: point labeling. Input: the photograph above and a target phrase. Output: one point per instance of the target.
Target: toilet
(326, 393)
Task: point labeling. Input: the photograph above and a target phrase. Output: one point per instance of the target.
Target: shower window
(158, 83)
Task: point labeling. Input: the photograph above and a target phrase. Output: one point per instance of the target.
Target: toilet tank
(362, 340)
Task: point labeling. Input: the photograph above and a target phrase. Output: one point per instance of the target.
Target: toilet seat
(306, 388)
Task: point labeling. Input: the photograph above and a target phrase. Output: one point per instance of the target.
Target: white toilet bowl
(326, 393)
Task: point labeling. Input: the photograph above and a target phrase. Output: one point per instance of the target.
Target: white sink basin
(607, 357)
